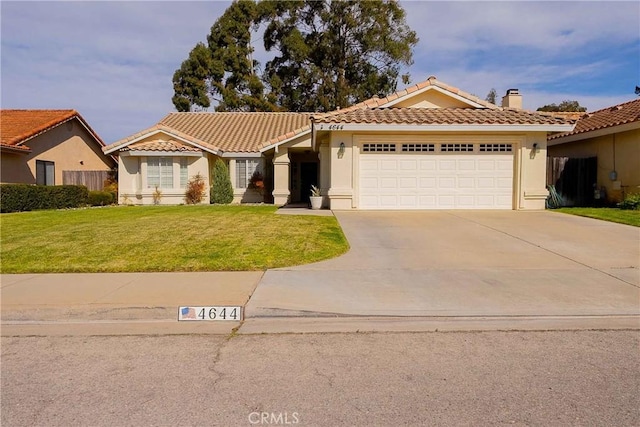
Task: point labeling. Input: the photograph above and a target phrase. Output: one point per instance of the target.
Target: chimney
(512, 99)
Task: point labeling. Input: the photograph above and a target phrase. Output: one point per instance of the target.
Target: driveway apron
(464, 263)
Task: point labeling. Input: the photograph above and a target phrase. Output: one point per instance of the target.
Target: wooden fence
(93, 180)
(573, 178)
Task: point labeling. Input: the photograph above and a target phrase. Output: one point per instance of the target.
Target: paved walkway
(505, 267)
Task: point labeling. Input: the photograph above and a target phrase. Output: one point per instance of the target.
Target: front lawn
(159, 238)
(629, 217)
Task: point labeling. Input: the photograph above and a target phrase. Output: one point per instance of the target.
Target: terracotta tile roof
(123, 143)
(19, 126)
(287, 135)
(237, 132)
(397, 96)
(162, 145)
(436, 116)
(620, 114)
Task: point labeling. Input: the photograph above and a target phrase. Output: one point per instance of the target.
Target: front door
(308, 177)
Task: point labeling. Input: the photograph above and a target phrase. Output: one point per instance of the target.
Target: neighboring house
(430, 146)
(611, 137)
(51, 147)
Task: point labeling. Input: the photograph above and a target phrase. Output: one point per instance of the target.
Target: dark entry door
(308, 177)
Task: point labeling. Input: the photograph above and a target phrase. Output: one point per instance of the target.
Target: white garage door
(436, 176)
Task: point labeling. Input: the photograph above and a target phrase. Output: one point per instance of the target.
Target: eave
(374, 127)
(593, 133)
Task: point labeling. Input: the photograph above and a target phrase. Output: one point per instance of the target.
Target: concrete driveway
(464, 263)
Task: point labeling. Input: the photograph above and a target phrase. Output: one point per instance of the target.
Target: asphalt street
(552, 378)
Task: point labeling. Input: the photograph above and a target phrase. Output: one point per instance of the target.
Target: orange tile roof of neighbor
(437, 116)
(19, 126)
(617, 115)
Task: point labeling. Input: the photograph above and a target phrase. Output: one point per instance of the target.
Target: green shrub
(221, 189)
(24, 197)
(100, 198)
(630, 202)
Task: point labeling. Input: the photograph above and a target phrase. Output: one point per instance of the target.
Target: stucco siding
(618, 152)
(69, 146)
(432, 99)
(14, 169)
(134, 187)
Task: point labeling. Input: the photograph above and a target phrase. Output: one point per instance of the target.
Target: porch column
(281, 175)
(325, 172)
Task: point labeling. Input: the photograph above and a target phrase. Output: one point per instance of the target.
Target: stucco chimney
(512, 99)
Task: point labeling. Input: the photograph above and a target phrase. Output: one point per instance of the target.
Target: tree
(221, 189)
(332, 54)
(327, 54)
(190, 82)
(491, 96)
(224, 69)
(565, 106)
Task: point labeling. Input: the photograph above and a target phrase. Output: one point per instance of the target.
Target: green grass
(158, 238)
(629, 217)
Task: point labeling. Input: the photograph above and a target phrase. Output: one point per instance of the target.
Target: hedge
(100, 198)
(25, 197)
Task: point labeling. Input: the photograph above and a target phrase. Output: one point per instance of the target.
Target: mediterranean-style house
(429, 146)
(611, 137)
(51, 147)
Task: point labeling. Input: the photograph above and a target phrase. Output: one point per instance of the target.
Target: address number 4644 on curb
(215, 312)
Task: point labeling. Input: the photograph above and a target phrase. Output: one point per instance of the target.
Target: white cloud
(113, 61)
(548, 27)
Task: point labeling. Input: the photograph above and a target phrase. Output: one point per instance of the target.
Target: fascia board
(284, 141)
(594, 133)
(239, 155)
(444, 128)
(149, 153)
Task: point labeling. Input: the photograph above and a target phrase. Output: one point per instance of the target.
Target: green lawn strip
(629, 217)
(159, 238)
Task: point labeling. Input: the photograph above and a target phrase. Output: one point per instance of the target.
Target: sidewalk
(136, 302)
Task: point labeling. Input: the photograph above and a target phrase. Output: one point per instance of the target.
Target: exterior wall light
(341, 150)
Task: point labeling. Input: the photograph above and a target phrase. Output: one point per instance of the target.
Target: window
(159, 172)
(456, 147)
(417, 147)
(370, 148)
(495, 148)
(184, 176)
(45, 172)
(245, 168)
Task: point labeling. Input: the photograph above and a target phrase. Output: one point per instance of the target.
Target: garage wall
(529, 172)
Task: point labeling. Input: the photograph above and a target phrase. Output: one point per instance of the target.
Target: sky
(113, 61)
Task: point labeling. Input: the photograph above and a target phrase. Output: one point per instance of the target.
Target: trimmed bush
(195, 190)
(630, 202)
(24, 197)
(221, 189)
(100, 198)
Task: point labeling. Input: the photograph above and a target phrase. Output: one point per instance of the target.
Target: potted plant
(315, 198)
(256, 183)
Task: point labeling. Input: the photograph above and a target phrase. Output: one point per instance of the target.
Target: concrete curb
(275, 325)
